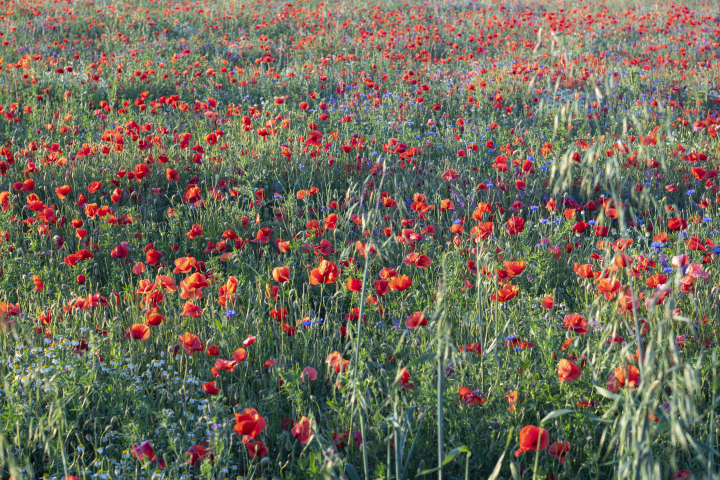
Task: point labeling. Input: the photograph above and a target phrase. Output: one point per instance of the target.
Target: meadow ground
(367, 240)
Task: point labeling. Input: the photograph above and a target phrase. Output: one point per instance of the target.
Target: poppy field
(361, 240)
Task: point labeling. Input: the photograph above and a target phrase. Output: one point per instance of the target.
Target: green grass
(574, 98)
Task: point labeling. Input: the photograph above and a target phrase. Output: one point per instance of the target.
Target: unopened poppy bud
(288, 444)
(421, 417)
(312, 398)
(383, 345)
(116, 319)
(264, 461)
(383, 372)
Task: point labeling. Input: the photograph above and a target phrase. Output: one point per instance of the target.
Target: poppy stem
(440, 378)
(357, 359)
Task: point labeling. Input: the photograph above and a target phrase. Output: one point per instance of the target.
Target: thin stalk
(440, 379)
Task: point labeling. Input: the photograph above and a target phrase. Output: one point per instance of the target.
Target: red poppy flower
(256, 449)
(145, 449)
(281, 274)
(303, 431)
(532, 438)
(121, 251)
(516, 225)
(559, 450)
(354, 285)
(568, 371)
(249, 422)
(210, 388)
(677, 224)
(416, 320)
(138, 331)
(197, 453)
(382, 287)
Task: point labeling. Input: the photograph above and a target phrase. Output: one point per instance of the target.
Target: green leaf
(352, 473)
(454, 453)
(556, 413)
(428, 357)
(606, 393)
(498, 466)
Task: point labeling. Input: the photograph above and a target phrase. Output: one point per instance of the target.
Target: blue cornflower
(230, 313)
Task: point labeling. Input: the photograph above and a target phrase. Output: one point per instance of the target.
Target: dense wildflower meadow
(360, 240)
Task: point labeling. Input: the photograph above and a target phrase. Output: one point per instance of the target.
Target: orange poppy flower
(585, 271)
(63, 191)
(184, 264)
(336, 362)
(548, 302)
(386, 273)
(625, 376)
(655, 280)
(514, 268)
(575, 323)
(168, 283)
(608, 285)
(191, 287)
(506, 293)
(191, 343)
(512, 397)
(327, 272)
(400, 283)
(281, 274)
